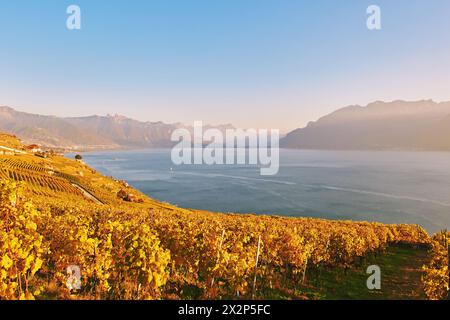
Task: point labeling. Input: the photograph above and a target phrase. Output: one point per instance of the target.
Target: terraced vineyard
(14, 162)
(41, 178)
(59, 177)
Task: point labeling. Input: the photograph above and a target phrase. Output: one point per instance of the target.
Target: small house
(33, 148)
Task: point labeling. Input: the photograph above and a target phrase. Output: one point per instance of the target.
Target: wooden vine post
(218, 254)
(304, 270)
(256, 267)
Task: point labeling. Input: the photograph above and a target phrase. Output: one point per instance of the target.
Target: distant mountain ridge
(91, 132)
(396, 125)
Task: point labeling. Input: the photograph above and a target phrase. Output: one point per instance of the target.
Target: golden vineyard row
(131, 253)
(436, 274)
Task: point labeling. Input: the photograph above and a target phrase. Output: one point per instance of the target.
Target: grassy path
(400, 278)
(401, 272)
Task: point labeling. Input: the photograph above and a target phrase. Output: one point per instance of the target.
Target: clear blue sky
(253, 63)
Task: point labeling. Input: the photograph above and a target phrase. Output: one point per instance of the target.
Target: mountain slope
(91, 132)
(126, 132)
(423, 125)
(48, 130)
(94, 132)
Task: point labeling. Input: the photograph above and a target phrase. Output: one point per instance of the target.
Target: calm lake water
(390, 187)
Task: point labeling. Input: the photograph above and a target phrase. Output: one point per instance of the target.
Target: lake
(384, 186)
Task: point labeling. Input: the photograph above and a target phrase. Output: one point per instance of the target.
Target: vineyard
(153, 250)
(41, 180)
(436, 272)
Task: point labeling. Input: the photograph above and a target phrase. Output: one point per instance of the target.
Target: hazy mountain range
(91, 132)
(397, 125)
